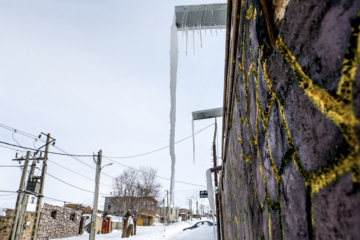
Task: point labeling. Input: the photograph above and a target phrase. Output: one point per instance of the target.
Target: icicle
(187, 37)
(212, 19)
(173, 74)
(183, 26)
(201, 13)
(193, 38)
(193, 137)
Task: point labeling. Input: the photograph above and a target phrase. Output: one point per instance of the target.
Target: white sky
(95, 74)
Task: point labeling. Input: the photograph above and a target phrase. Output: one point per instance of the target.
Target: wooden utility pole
(190, 208)
(163, 212)
(24, 205)
(167, 208)
(19, 197)
(96, 197)
(40, 196)
(197, 209)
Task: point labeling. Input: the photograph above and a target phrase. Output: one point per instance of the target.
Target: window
(72, 217)
(53, 214)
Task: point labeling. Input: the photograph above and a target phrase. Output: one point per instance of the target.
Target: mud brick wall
(291, 165)
(60, 227)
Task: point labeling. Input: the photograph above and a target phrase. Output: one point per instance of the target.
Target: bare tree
(133, 188)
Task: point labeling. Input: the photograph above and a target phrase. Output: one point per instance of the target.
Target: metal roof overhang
(204, 16)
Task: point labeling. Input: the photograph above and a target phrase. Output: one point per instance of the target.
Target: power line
(76, 173)
(155, 175)
(85, 155)
(147, 153)
(64, 153)
(7, 191)
(11, 165)
(12, 148)
(44, 196)
(55, 153)
(71, 184)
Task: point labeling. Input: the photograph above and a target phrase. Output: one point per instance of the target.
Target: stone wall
(291, 166)
(5, 225)
(65, 223)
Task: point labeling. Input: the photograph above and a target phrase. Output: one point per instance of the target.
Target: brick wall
(291, 151)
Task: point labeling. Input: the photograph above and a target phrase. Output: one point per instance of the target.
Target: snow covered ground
(160, 231)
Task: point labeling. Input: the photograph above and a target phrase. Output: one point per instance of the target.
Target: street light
(96, 194)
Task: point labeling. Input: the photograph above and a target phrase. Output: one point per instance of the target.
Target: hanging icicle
(173, 75)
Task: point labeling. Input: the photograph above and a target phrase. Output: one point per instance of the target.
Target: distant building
(144, 206)
(173, 214)
(184, 214)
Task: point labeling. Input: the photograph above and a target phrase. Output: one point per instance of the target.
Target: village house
(184, 214)
(55, 222)
(145, 206)
(173, 214)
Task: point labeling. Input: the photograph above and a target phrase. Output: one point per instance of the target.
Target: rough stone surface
(337, 210)
(293, 204)
(290, 168)
(65, 224)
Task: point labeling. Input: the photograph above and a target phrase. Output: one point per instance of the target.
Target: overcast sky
(95, 74)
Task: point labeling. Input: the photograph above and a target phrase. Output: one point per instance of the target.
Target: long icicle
(174, 52)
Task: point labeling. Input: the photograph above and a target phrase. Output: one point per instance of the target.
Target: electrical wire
(76, 173)
(11, 165)
(12, 149)
(135, 169)
(55, 153)
(147, 153)
(84, 155)
(71, 184)
(74, 156)
(7, 191)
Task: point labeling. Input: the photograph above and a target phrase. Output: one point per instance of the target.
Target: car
(198, 224)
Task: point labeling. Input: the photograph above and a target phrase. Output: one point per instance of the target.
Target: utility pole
(24, 204)
(19, 197)
(168, 209)
(96, 196)
(190, 208)
(40, 196)
(197, 209)
(163, 212)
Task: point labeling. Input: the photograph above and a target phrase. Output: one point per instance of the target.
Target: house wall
(174, 214)
(5, 225)
(61, 226)
(113, 206)
(291, 148)
(116, 226)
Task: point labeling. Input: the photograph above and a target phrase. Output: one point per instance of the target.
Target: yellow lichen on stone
(249, 12)
(236, 219)
(336, 110)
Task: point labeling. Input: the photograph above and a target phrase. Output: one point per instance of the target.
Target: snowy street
(160, 231)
